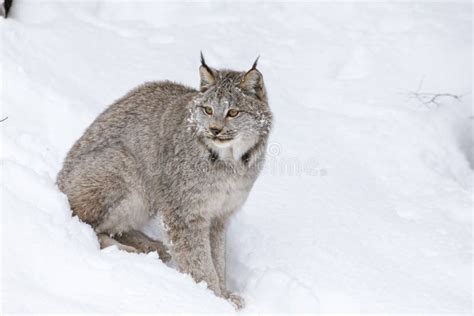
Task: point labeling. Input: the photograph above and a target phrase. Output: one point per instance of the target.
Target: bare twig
(4, 119)
(431, 98)
(420, 85)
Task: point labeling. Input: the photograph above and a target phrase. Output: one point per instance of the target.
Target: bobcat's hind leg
(143, 243)
(107, 241)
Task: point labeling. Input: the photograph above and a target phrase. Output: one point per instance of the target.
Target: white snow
(365, 204)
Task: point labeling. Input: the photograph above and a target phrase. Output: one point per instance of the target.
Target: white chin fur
(220, 144)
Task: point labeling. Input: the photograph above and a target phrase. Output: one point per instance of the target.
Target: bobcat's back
(131, 120)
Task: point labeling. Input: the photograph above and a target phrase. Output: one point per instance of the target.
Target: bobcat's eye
(232, 113)
(208, 110)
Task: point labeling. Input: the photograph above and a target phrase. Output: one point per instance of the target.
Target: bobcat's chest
(229, 181)
(225, 196)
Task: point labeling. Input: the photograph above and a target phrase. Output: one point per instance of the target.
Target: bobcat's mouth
(222, 141)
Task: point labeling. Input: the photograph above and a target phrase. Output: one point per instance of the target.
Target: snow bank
(364, 206)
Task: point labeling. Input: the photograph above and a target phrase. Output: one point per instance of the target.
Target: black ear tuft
(252, 82)
(203, 63)
(254, 66)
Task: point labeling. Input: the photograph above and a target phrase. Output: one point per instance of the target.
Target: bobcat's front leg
(217, 236)
(192, 251)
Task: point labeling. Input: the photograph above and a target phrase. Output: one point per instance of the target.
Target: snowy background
(365, 204)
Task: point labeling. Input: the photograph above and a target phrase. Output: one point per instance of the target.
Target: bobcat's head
(231, 109)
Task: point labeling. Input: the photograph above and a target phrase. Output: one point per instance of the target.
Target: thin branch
(431, 98)
(4, 119)
(420, 85)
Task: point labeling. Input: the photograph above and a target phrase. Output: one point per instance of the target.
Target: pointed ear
(252, 82)
(208, 75)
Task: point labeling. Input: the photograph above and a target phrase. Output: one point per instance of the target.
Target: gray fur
(152, 152)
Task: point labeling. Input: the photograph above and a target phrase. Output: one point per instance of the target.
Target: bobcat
(190, 157)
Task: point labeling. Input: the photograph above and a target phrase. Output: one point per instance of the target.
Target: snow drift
(364, 205)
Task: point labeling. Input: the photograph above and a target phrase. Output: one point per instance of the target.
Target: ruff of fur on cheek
(264, 122)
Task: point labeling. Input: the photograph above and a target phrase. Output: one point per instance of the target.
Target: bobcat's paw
(160, 248)
(164, 256)
(236, 300)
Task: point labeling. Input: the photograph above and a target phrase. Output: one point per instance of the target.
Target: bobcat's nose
(215, 130)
